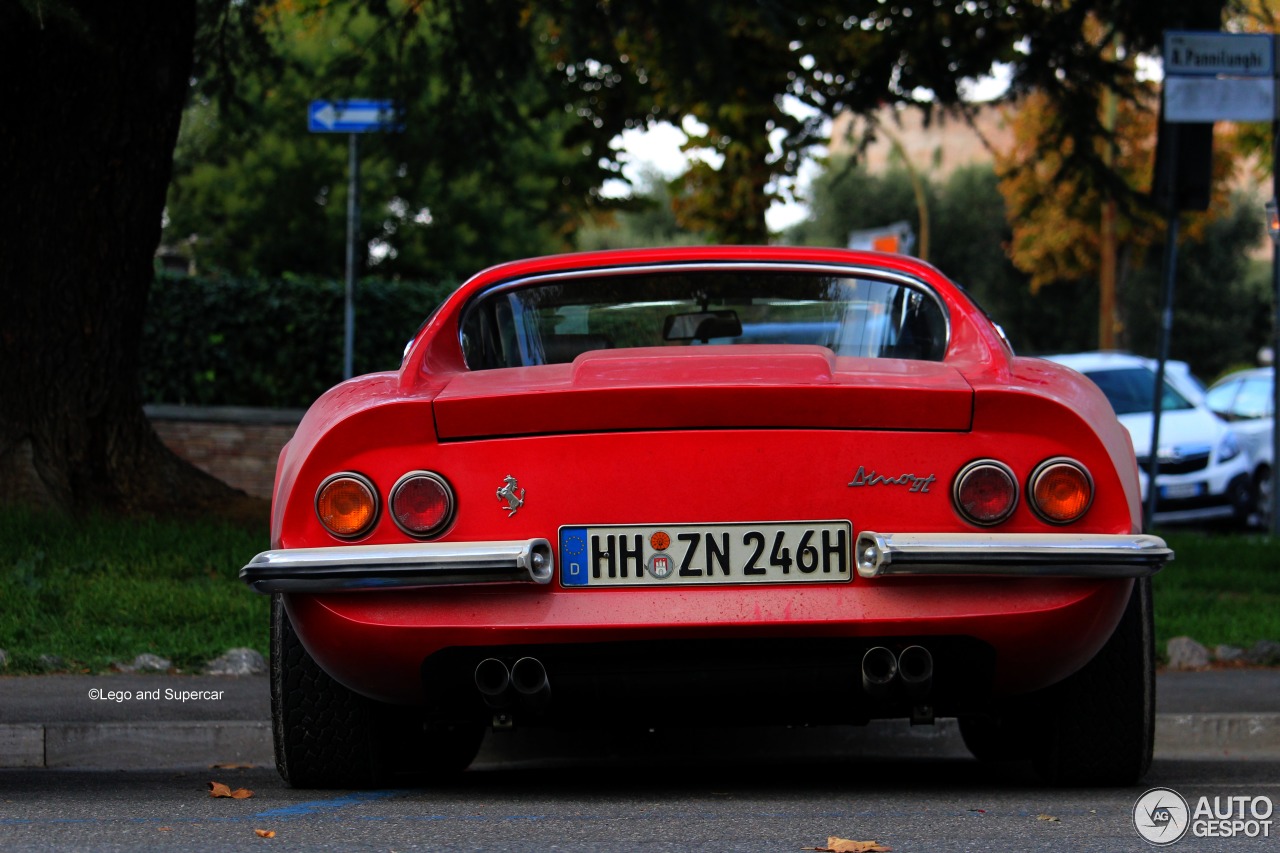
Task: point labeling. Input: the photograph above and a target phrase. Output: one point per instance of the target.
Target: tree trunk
(93, 101)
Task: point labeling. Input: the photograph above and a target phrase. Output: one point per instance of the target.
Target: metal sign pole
(1274, 521)
(352, 117)
(1166, 324)
(353, 228)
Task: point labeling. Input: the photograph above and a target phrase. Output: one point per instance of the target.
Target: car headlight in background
(1228, 448)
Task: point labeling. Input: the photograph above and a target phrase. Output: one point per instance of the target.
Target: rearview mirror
(702, 326)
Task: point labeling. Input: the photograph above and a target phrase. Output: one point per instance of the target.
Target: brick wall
(237, 445)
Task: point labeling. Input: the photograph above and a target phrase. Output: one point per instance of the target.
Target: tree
(100, 96)
(1224, 312)
(103, 86)
(747, 71)
(254, 192)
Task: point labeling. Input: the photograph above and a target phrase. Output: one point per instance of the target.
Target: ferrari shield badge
(511, 496)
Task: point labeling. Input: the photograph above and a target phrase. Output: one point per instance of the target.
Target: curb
(135, 746)
(182, 745)
(1210, 736)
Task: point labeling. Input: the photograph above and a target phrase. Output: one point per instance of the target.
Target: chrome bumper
(1010, 554)
(372, 567)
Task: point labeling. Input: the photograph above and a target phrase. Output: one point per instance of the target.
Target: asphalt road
(704, 801)
(752, 789)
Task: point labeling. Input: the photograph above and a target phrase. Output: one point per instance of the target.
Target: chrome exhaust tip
(493, 680)
(529, 680)
(879, 669)
(915, 668)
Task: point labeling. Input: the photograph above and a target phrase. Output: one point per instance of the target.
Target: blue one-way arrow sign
(354, 116)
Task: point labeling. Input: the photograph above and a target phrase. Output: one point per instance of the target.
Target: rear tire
(328, 736)
(1097, 727)
(1100, 722)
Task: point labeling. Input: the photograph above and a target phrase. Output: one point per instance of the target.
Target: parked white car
(1205, 472)
(1245, 400)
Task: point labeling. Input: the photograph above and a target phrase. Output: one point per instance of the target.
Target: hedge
(271, 343)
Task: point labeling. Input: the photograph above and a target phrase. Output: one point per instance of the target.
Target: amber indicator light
(1061, 491)
(346, 505)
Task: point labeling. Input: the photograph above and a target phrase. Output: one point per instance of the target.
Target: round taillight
(985, 492)
(422, 503)
(1061, 490)
(347, 505)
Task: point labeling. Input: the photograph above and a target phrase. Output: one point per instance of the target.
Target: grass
(1222, 588)
(102, 590)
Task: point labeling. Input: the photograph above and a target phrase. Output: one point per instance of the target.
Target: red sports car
(710, 486)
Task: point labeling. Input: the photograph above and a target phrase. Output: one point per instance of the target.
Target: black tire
(1096, 727)
(328, 736)
(1100, 723)
(1262, 497)
(991, 738)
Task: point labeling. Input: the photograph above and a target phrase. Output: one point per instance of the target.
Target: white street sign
(1213, 53)
(1210, 99)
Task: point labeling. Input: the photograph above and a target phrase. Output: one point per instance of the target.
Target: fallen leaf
(164, 829)
(265, 833)
(232, 766)
(217, 789)
(845, 845)
(1048, 817)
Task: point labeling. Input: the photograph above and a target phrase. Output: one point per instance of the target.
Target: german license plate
(705, 554)
(1180, 491)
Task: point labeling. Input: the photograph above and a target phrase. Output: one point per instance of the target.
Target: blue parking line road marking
(324, 806)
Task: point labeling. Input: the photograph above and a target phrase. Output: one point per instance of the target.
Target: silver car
(1204, 469)
(1245, 400)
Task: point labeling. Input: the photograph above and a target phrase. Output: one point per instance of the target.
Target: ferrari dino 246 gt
(709, 486)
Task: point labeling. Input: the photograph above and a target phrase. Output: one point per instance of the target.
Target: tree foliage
(459, 188)
(497, 93)
(1222, 317)
(1057, 221)
(747, 72)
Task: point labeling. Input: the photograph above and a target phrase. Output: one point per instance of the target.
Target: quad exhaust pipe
(529, 680)
(911, 669)
(493, 680)
(915, 669)
(879, 670)
(526, 680)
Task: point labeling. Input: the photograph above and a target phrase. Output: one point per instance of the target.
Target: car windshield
(1242, 399)
(554, 321)
(1130, 390)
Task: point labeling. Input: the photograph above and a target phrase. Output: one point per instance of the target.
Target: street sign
(1213, 76)
(1210, 99)
(1213, 53)
(352, 116)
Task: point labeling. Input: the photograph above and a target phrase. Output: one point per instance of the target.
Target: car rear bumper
(352, 568)
(349, 568)
(1011, 554)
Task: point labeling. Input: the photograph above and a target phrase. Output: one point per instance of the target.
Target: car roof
(1247, 373)
(1087, 361)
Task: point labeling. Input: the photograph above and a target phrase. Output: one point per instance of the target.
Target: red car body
(718, 446)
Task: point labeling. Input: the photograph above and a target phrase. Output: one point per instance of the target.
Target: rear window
(554, 321)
